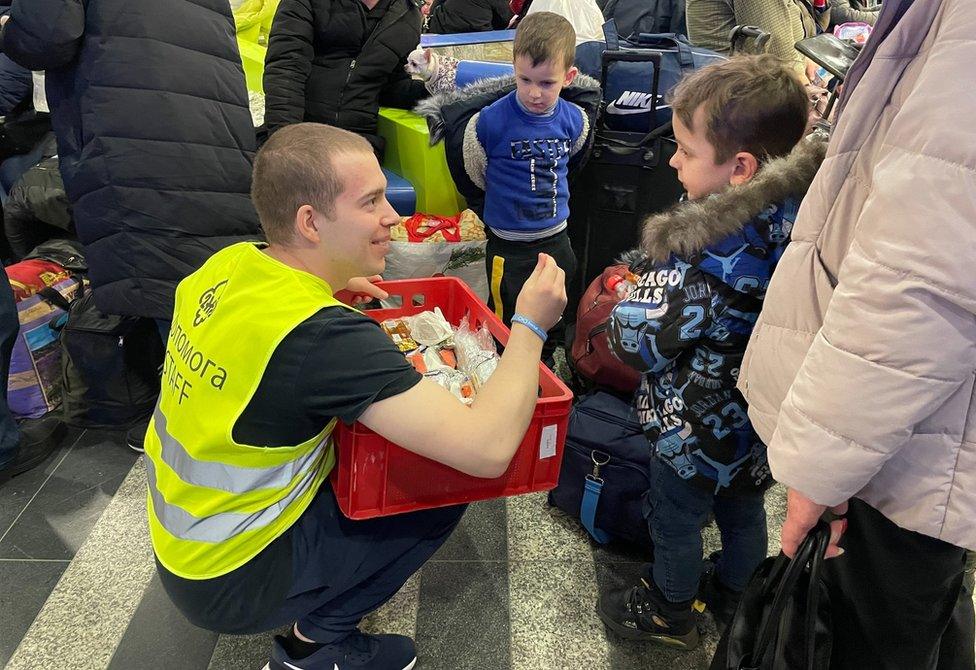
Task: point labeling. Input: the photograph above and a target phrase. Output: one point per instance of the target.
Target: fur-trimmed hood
(692, 226)
(580, 92)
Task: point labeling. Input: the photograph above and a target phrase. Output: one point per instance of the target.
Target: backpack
(590, 353)
(605, 470)
(109, 367)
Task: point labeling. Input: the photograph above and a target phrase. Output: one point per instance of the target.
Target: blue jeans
(9, 327)
(677, 510)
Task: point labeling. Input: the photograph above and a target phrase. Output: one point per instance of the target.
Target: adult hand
(802, 515)
(360, 290)
(543, 296)
(4, 19)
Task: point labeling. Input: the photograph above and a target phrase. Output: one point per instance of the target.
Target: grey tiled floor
(513, 589)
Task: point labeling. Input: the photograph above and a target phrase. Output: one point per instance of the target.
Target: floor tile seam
(43, 484)
(119, 476)
(71, 608)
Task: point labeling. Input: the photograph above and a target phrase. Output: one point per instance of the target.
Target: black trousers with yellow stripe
(510, 263)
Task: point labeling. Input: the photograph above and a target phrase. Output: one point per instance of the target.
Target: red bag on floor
(590, 354)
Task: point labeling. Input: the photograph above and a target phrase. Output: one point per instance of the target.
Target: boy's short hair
(750, 103)
(296, 167)
(545, 37)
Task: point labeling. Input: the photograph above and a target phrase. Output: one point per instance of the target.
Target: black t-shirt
(334, 364)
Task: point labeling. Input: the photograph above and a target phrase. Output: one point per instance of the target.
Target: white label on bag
(547, 444)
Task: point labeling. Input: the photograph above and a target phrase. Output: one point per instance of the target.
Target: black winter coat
(324, 65)
(468, 16)
(154, 136)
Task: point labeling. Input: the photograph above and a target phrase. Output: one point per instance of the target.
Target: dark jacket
(37, 208)
(154, 136)
(645, 16)
(325, 65)
(16, 84)
(687, 322)
(468, 16)
(448, 115)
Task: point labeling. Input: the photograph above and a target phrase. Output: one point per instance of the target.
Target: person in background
(337, 61)
(787, 21)
(245, 526)
(861, 371)
(685, 326)
(468, 16)
(155, 140)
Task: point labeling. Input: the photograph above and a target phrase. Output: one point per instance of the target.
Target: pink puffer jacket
(860, 373)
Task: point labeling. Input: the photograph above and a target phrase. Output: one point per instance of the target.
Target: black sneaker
(38, 438)
(716, 597)
(642, 613)
(136, 436)
(356, 652)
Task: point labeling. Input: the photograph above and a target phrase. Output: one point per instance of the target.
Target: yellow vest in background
(213, 503)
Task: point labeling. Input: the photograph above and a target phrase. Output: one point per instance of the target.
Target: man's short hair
(749, 103)
(295, 167)
(545, 37)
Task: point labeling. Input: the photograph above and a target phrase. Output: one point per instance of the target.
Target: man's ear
(306, 225)
(570, 75)
(746, 167)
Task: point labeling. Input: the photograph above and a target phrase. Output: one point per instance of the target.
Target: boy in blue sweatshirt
(518, 151)
(685, 326)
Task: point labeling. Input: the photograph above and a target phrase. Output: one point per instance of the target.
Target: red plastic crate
(374, 477)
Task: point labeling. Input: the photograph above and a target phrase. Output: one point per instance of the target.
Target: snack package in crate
(426, 245)
(449, 335)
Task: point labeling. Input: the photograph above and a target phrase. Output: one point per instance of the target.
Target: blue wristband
(531, 325)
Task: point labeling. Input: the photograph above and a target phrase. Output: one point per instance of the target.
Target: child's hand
(360, 290)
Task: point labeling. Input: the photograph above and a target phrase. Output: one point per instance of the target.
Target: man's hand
(802, 515)
(360, 290)
(543, 296)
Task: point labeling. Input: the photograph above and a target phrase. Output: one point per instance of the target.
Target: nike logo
(335, 666)
(631, 102)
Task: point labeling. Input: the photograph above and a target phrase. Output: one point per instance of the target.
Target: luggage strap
(592, 489)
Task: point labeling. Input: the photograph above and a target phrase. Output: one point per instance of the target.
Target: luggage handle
(745, 32)
(686, 58)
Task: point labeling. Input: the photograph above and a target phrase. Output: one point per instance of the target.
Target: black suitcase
(626, 179)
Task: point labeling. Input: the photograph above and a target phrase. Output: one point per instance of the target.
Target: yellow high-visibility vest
(214, 503)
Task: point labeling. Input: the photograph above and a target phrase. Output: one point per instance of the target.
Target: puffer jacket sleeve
(288, 63)
(899, 334)
(15, 84)
(43, 34)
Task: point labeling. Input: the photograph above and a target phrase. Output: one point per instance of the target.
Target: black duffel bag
(605, 470)
(783, 620)
(109, 366)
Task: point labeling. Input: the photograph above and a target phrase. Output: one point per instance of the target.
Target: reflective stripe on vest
(224, 476)
(218, 527)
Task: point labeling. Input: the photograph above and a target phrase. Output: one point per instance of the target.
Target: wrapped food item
(455, 381)
(429, 328)
(399, 332)
(476, 353)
